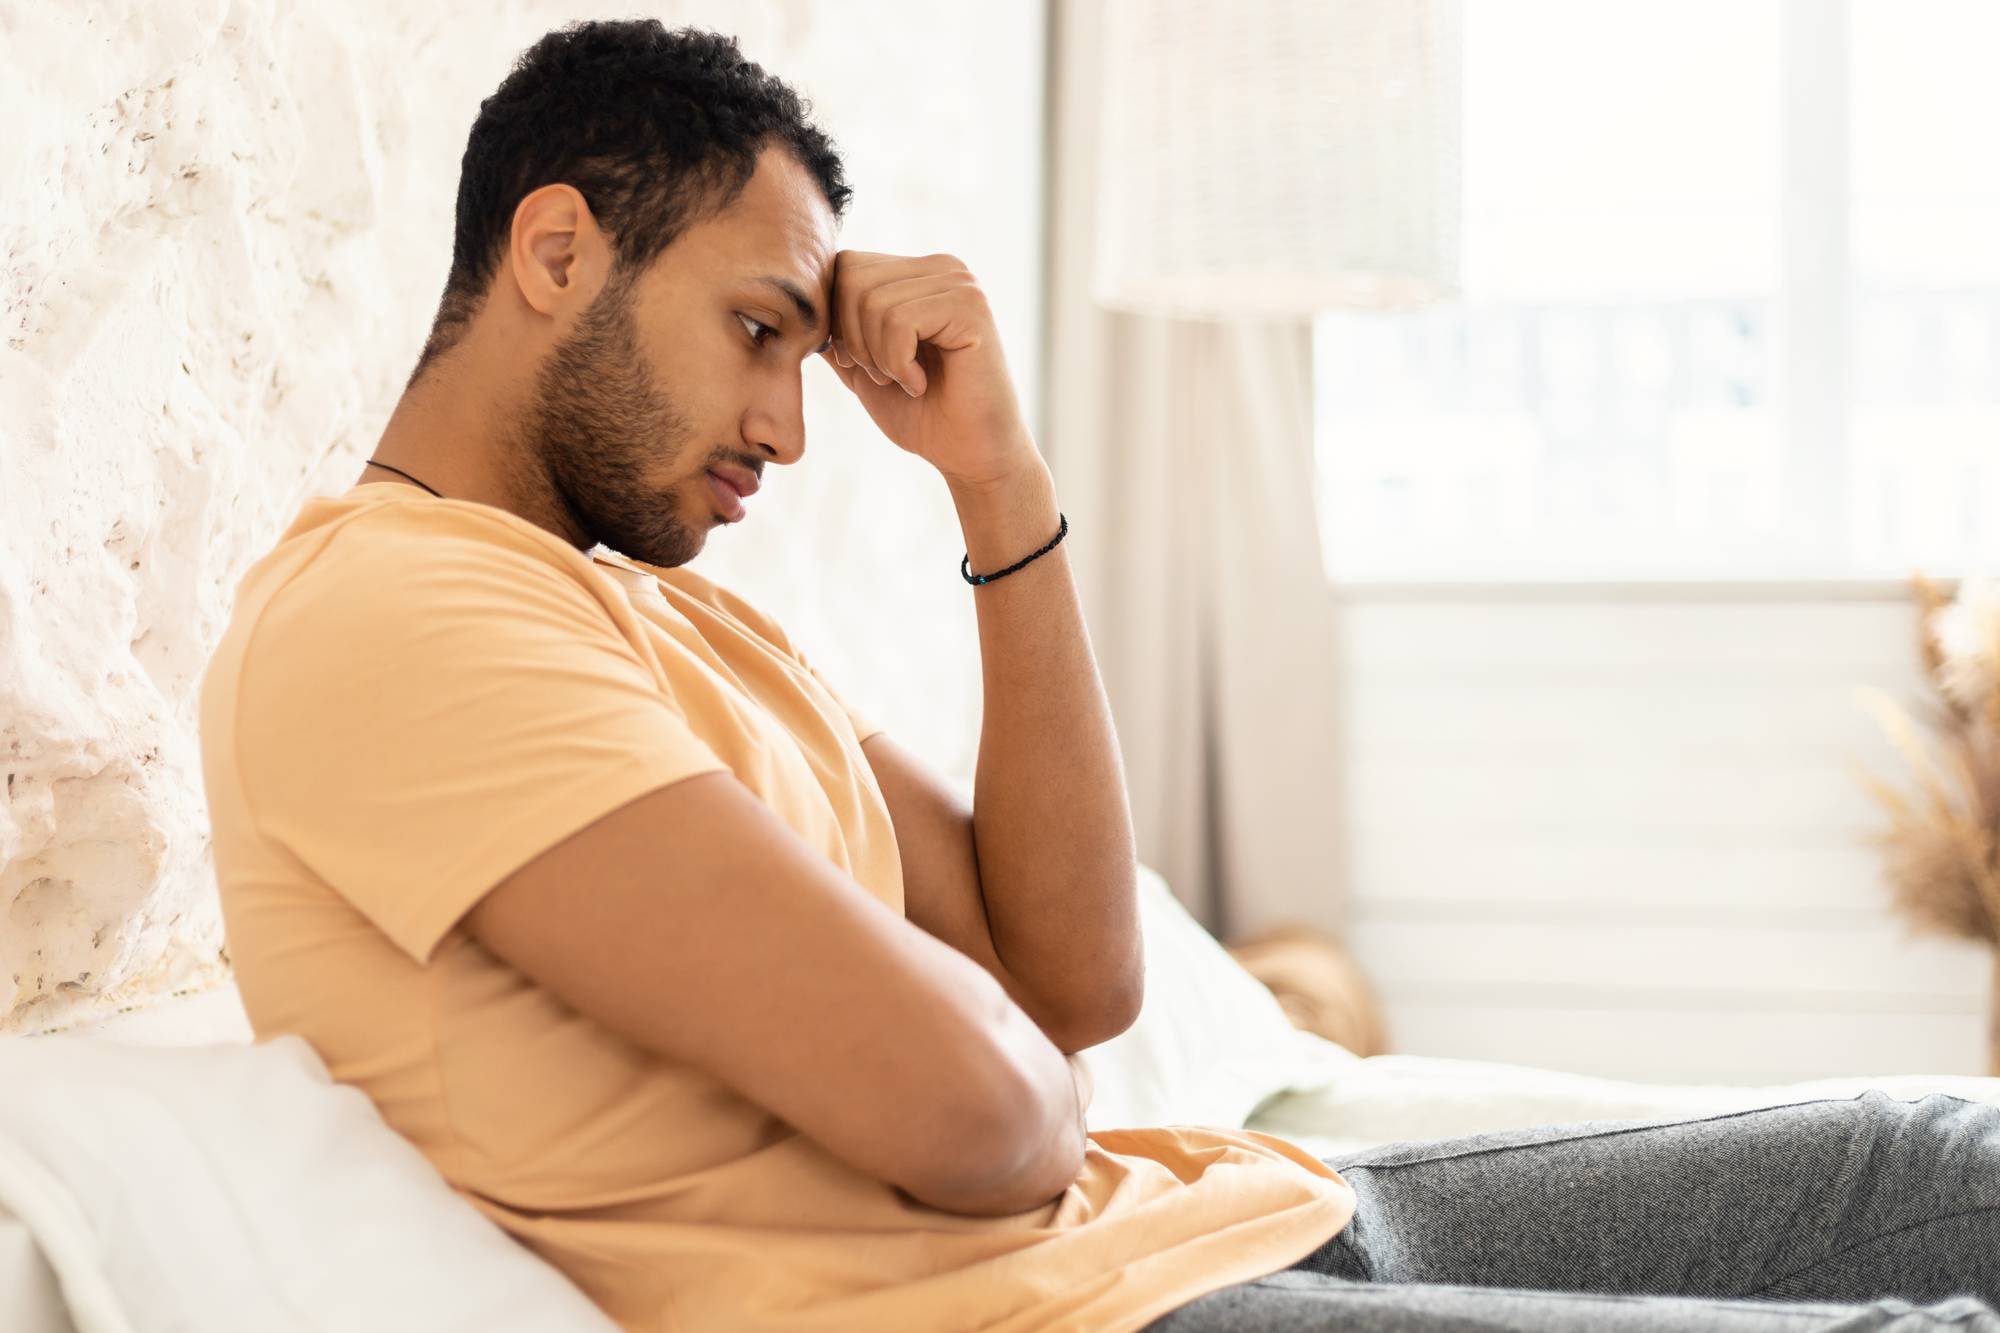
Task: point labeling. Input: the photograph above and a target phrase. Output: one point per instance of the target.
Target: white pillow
(1211, 1042)
(237, 1189)
(30, 1301)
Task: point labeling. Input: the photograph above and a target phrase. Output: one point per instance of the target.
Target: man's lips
(732, 486)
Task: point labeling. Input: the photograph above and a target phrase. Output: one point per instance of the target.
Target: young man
(713, 995)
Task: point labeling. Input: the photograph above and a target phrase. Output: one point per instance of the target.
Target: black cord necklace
(405, 476)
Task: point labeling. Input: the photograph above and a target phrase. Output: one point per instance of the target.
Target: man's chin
(662, 550)
(671, 558)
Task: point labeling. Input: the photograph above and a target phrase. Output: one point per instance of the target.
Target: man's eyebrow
(808, 312)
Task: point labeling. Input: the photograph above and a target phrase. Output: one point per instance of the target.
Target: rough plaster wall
(223, 228)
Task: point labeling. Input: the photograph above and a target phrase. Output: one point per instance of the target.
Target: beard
(601, 425)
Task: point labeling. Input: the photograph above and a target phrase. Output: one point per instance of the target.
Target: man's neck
(453, 430)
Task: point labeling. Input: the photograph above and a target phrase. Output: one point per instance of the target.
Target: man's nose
(775, 425)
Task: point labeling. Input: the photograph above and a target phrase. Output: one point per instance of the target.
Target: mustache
(751, 463)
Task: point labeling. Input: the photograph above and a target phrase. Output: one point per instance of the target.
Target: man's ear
(559, 256)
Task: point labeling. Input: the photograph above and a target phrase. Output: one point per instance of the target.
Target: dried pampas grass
(1941, 847)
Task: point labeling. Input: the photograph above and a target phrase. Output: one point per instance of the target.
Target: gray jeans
(1834, 1217)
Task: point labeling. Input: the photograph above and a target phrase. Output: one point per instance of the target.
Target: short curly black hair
(653, 127)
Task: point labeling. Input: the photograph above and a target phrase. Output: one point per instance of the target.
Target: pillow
(236, 1189)
(30, 1302)
(1210, 1043)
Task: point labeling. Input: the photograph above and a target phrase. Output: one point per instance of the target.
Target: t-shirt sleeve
(421, 714)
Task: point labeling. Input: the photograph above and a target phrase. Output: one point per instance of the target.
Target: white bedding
(1398, 1097)
(166, 1184)
(1212, 1046)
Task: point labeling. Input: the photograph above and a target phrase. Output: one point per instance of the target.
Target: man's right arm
(697, 924)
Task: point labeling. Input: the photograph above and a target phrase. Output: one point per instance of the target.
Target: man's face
(657, 414)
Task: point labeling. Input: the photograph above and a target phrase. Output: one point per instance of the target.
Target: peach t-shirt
(416, 697)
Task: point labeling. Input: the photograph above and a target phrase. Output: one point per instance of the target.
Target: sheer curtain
(1184, 455)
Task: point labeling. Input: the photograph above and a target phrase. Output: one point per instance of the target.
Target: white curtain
(1184, 455)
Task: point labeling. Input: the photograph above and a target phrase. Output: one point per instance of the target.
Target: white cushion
(237, 1189)
(30, 1301)
(1210, 1043)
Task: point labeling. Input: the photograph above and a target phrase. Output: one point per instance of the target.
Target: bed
(160, 1173)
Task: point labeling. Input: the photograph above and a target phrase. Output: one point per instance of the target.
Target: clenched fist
(915, 340)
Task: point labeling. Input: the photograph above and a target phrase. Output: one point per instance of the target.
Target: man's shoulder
(385, 550)
(373, 575)
(383, 522)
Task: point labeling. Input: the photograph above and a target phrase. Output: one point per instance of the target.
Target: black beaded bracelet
(965, 565)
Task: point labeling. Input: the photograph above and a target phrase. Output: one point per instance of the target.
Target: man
(698, 983)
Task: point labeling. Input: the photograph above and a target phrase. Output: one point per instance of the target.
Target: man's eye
(760, 333)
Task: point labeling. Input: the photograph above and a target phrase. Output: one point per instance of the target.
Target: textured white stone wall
(223, 228)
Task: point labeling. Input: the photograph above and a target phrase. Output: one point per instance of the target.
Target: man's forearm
(1047, 880)
(1051, 826)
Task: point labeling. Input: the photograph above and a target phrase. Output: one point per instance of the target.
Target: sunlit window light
(1608, 401)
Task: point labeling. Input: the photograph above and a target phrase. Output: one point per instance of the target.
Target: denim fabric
(1833, 1217)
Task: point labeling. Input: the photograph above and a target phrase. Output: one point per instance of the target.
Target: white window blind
(1732, 306)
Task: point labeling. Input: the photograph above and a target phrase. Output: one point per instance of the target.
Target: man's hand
(915, 340)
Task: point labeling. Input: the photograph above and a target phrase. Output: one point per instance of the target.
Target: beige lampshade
(1275, 158)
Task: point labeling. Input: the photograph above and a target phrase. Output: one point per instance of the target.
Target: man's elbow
(1107, 1008)
(1011, 1151)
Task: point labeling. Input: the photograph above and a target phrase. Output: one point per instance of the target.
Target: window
(1731, 306)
